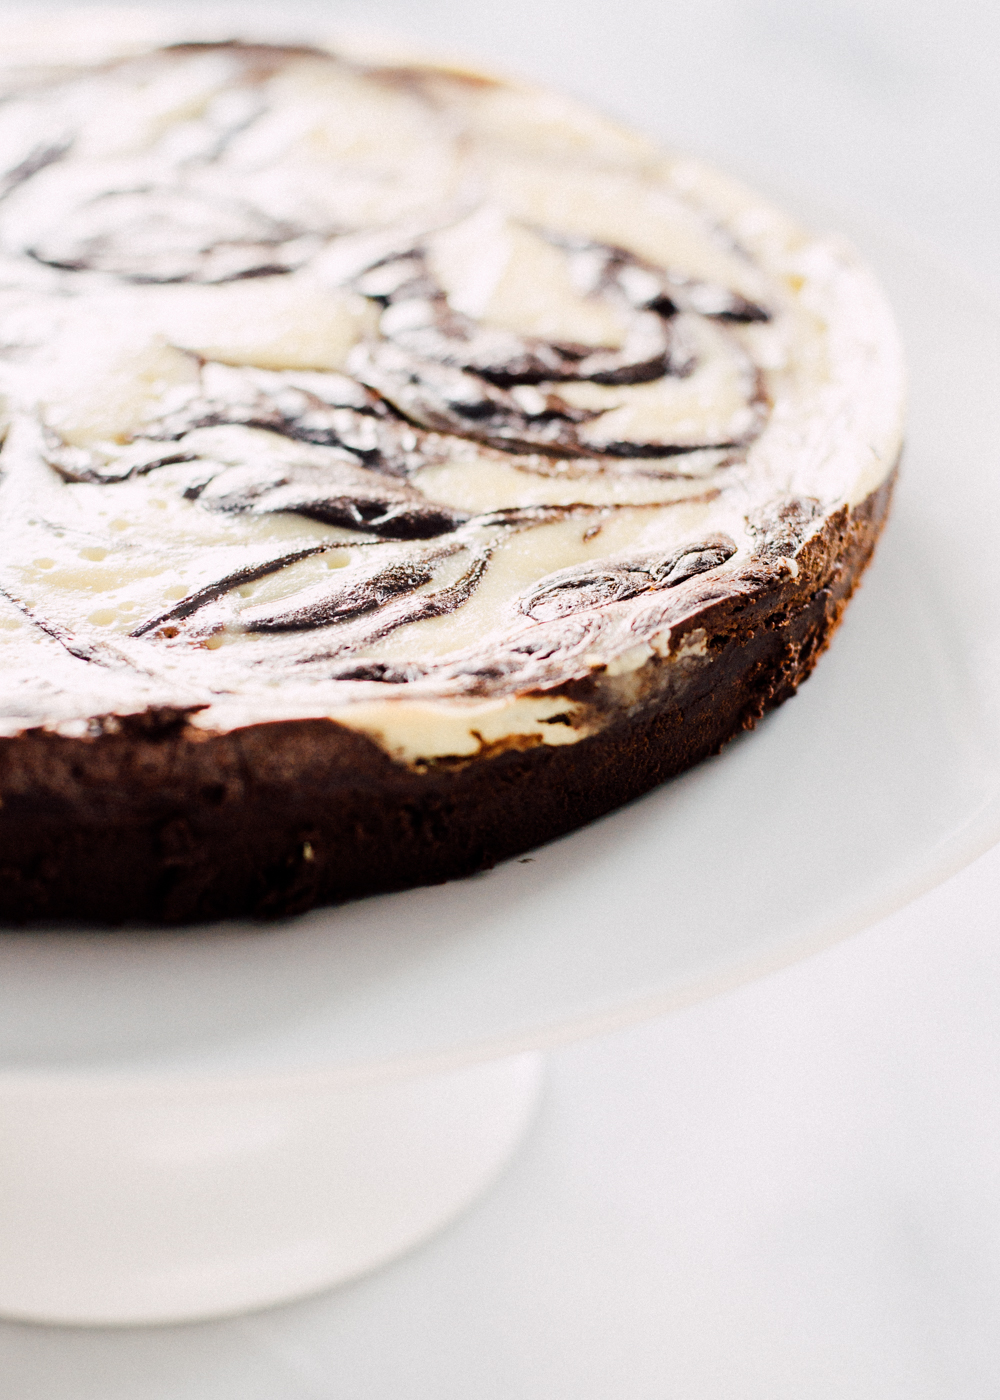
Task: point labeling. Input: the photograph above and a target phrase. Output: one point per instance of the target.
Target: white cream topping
(318, 384)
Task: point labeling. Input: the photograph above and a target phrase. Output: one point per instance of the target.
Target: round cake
(402, 467)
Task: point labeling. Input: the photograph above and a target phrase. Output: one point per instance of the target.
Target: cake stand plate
(201, 1122)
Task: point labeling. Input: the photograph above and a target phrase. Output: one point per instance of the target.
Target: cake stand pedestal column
(125, 1200)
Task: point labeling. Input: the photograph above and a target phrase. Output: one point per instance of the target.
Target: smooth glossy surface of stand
(127, 1202)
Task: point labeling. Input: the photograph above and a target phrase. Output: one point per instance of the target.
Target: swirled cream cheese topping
(397, 395)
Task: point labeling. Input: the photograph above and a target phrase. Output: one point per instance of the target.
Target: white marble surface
(792, 1192)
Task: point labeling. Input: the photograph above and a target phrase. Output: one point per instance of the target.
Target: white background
(791, 1192)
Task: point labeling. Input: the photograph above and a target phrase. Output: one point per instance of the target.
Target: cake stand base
(131, 1202)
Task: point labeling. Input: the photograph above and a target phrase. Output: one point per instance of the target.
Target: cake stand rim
(970, 838)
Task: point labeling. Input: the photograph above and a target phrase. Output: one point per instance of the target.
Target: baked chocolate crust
(154, 820)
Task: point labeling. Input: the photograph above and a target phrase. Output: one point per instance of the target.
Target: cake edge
(157, 822)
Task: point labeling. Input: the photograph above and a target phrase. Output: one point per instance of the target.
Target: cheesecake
(401, 468)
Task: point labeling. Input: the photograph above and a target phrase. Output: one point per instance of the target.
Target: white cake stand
(201, 1123)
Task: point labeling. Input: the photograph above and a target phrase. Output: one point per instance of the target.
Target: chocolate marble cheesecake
(401, 468)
